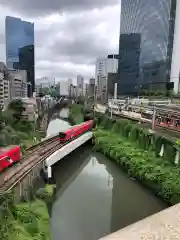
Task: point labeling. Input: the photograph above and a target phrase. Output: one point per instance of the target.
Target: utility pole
(111, 112)
(154, 117)
(94, 102)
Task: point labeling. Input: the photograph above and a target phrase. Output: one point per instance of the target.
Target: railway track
(39, 146)
(35, 155)
(162, 130)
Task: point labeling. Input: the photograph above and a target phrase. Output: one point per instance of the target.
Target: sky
(69, 34)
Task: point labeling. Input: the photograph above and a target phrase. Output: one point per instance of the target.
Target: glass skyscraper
(20, 48)
(145, 45)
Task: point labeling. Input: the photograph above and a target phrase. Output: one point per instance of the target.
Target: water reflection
(95, 198)
(57, 124)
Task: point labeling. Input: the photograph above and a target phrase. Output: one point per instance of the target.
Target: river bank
(26, 220)
(149, 159)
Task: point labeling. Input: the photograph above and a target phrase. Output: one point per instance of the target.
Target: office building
(103, 67)
(31, 109)
(5, 95)
(20, 48)
(112, 80)
(91, 87)
(129, 57)
(80, 81)
(70, 81)
(18, 83)
(150, 27)
(45, 82)
(175, 66)
(80, 85)
(64, 88)
(4, 91)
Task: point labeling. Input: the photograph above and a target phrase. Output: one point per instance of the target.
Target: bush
(27, 221)
(137, 151)
(76, 114)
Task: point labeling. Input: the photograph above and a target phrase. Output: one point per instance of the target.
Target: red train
(9, 155)
(75, 131)
(168, 122)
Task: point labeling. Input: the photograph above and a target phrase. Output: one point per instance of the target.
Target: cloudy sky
(69, 34)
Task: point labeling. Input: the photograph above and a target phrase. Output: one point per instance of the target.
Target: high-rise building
(80, 81)
(129, 56)
(4, 91)
(70, 81)
(18, 83)
(80, 85)
(150, 27)
(104, 66)
(20, 48)
(91, 87)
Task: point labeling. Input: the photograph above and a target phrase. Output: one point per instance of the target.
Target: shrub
(138, 151)
(157, 173)
(142, 137)
(76, 114)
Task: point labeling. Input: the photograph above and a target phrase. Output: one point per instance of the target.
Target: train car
(169, 122)
(75, 131)
(9, 155)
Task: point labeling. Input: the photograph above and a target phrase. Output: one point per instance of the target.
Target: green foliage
(17, 108)
(76, 114)
(157, 173)
(142, 137)
(137, 151)
(14, 128)
(25, 221)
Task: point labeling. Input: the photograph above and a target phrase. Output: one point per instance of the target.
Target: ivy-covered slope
(149, 158)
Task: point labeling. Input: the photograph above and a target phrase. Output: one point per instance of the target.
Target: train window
(62, 135)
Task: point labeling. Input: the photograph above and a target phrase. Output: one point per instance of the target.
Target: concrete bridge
(64, 151)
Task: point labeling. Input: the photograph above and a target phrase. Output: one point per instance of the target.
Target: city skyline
(64, 53)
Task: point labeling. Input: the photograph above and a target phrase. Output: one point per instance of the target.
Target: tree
(17, 108)
(1, 120)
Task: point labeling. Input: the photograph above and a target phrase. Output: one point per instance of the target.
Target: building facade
(154, 22)
(64, 88)
(129, 57)
(20, 48)
(175, 66)
(31, 110)
(80, 81)
(104, 66)
(4, 91)
(91, 86)
(45, 82)
(18, 84)
(5, 78)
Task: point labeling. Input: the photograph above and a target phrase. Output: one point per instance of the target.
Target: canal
(94, 196)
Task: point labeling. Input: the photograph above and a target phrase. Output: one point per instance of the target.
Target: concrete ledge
(162, 225)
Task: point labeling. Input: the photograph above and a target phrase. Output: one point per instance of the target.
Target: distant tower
(20, 48)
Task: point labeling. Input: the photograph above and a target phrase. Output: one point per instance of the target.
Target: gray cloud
(38, 7)
(79, 40)
(68, 44)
